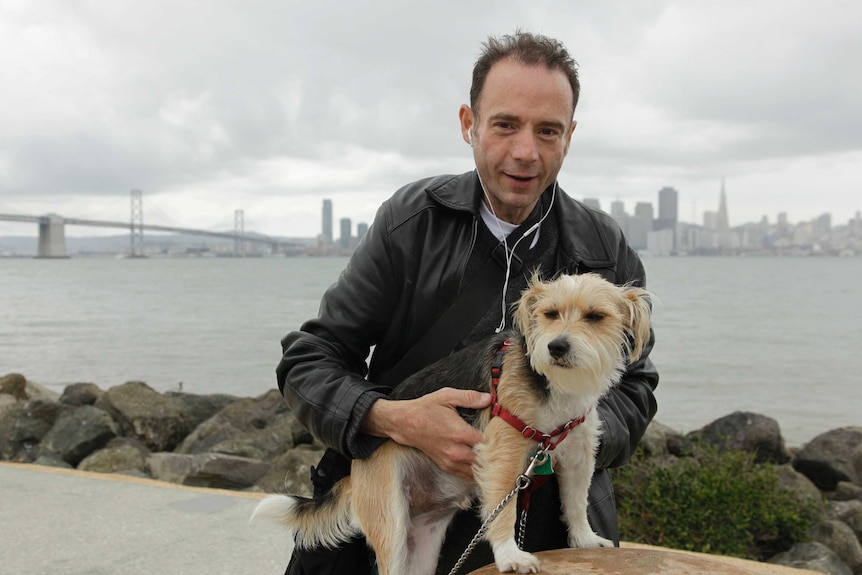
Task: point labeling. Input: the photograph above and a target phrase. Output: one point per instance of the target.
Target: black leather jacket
(404, 274)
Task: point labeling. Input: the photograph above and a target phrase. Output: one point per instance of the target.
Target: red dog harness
(548, 440)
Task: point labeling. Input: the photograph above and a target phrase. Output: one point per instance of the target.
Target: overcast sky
(271, 106)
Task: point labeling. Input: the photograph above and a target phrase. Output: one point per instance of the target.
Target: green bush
(712, 502)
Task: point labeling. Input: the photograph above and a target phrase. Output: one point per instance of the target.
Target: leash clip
(539, 458)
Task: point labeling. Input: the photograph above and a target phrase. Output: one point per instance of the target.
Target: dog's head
(585, 324)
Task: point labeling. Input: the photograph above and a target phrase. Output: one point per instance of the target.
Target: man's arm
(630, 406)
(322, 370)
(321, 374)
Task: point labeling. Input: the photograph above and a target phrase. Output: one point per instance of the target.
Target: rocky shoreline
(255, 444)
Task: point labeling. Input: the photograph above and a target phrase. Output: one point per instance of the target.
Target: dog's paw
(510, 559)
(588, 539)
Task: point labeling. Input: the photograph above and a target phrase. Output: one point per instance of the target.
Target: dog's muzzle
(559, 348)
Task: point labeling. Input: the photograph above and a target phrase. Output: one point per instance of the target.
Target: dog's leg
(574, 473)
(500, 460)
(426, 538)
(381, 507)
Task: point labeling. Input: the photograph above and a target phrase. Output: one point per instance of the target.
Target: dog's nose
(558, 348)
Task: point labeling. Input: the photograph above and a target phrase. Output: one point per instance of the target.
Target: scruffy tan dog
(574, 337)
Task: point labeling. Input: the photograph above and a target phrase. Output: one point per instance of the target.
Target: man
(427, 244)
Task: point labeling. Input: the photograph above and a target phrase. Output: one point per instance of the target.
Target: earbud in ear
(470, 138)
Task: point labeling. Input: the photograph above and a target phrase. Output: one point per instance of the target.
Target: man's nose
(524, 147)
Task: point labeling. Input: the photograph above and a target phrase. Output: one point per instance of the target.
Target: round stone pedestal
(616, 561)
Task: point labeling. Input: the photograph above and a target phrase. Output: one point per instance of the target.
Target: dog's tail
(323, 522)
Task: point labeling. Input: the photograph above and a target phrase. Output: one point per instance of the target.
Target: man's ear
(465, 116)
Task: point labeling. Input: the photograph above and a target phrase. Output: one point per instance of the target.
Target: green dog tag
(545, 467)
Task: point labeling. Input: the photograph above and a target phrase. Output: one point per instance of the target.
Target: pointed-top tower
(723, 223)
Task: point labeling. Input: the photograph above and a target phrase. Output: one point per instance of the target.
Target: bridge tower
(136, 225)
(238, 232)
(52, 237)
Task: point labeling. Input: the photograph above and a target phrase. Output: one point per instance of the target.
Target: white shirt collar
(499, 228)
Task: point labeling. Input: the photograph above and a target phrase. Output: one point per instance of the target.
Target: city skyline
(661, 232)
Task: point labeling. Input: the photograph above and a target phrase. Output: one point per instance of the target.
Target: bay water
(776, 336)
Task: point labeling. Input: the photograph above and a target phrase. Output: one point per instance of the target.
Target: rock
(839, 537)
(199, 408)
(120, 455)
(291, 472)
(845, 491)
(5, 401)
(23, 426)
(259, 428)
(656, 438)
(680, 446)
(52, 460)
(78, 432)
(850, 513)
(813, 556)
(81, 394)
(795, 482)
(856, 463)
(141, 412)
(828, 458)
(36, 391)
(207, 469)
(14, 384)
(748, 432)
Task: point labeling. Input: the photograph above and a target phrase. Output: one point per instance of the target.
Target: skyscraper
(327, 221)
(640, 225)
(723, 223)
(726, 239)
(592, 203)
(668, 209)
(618, 213)
(346, 225)
(618, 210)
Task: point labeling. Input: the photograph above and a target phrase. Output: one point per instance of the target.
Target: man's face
(521, 133)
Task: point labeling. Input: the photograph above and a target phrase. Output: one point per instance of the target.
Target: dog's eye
(594, 316)
(552, 314)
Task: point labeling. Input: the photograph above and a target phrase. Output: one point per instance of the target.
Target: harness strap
(548, 440)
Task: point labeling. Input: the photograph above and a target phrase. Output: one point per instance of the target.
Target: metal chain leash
(522, 528)
(522, 482)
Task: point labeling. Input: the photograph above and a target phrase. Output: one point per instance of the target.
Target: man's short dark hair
(525, 48)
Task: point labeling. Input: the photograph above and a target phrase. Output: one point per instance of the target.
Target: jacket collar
(585, 242)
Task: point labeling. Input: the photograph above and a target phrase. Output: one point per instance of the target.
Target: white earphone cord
(511, 253)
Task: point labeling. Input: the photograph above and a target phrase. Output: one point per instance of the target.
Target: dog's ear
(525, 306)
(638, 311)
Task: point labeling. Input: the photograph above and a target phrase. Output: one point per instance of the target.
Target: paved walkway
(63, 522)
(67, 522)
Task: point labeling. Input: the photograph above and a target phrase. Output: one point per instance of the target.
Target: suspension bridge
(52, 234)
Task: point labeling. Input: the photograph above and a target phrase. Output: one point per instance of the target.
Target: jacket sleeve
(321, 373)
(630, 406)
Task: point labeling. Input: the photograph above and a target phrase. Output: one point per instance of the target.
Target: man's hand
(431, 424)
